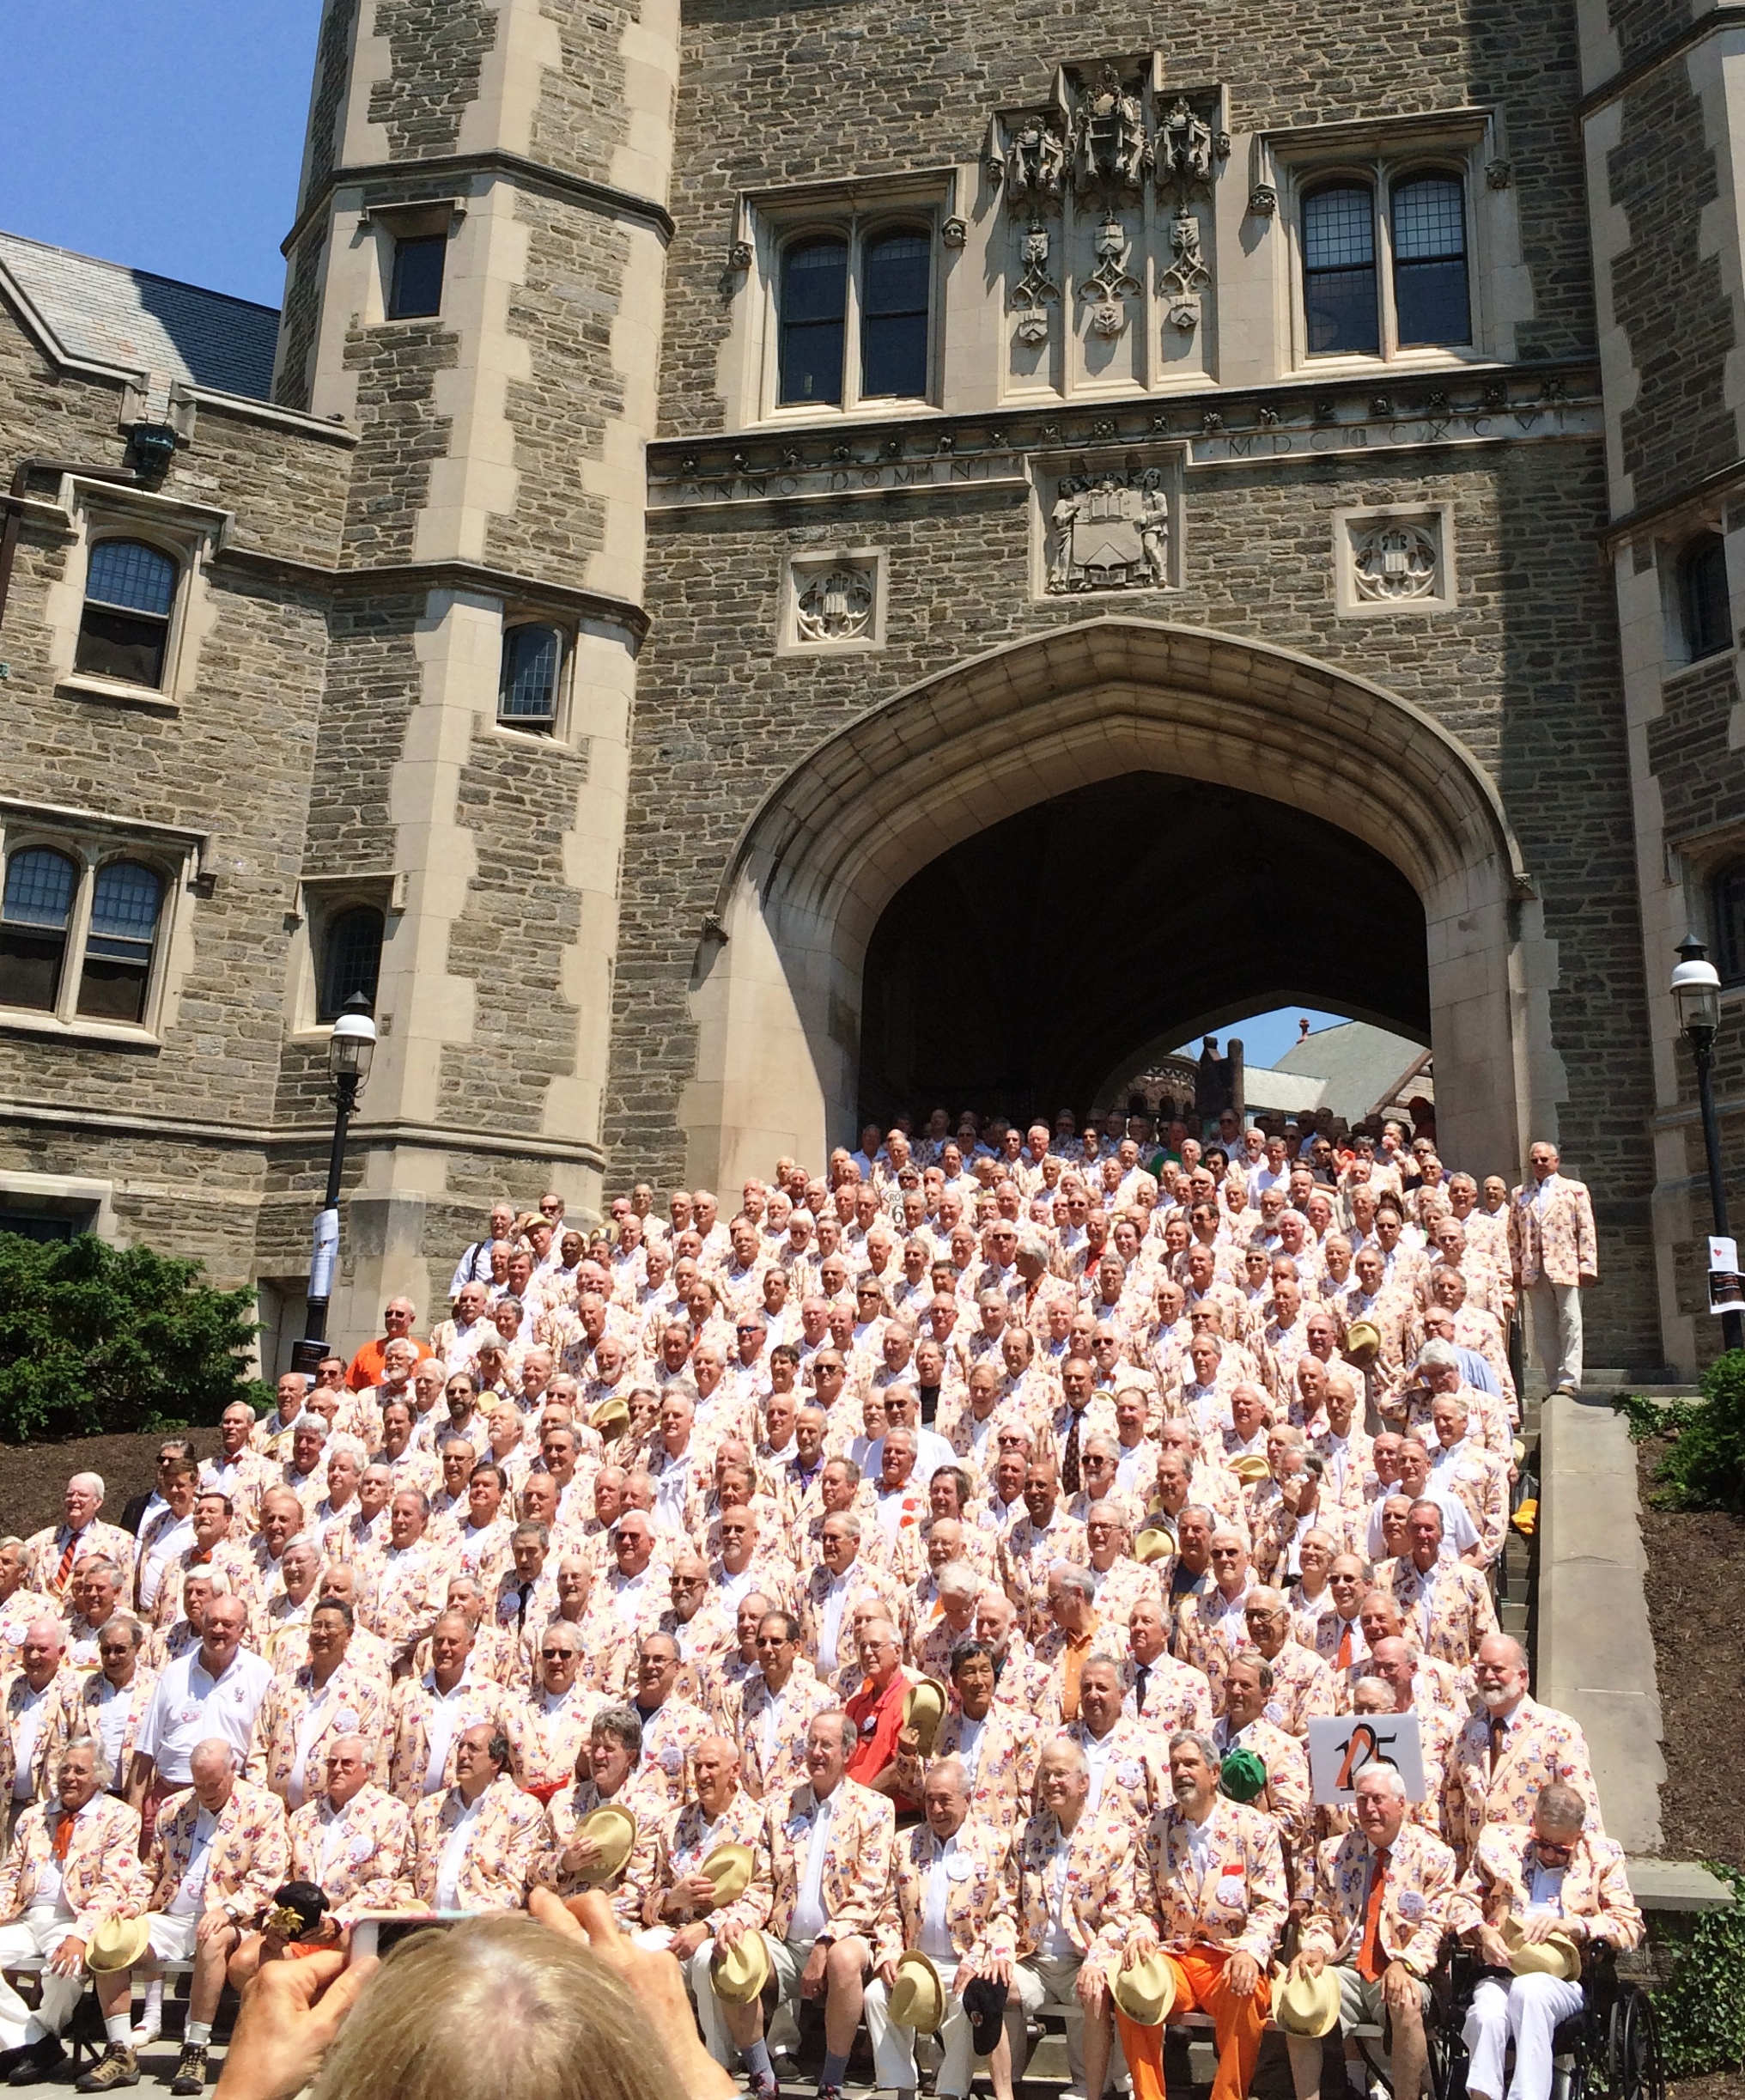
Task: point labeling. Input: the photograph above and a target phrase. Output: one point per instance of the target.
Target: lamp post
(1696, 995)
(349, 1050)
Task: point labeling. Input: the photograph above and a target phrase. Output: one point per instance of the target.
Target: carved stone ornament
(1034, 289)
(1262, 200)
(1498, 174)
(1034, 165)
(1108, 136)
(740, 255)
(1393, 562)
(954, 232)
(1110, 285)
(1110, 532)
(835, 605)
(1182, 151)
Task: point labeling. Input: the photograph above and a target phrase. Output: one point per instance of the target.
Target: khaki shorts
(1362, 2004)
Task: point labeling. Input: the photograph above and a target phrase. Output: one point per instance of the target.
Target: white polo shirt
(189, 1705)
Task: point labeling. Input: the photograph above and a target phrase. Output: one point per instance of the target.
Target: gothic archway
(779, 999)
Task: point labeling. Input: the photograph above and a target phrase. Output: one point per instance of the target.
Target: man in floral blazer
(1554, 1254)
(1381, 1899)
(1554, 1876)
(1066, 1907)
(219, 1853)
(1508, 1750)
(1211, 1892)
(74, 1862)
(824, 1864)
(476, 1845)
(945, 1880)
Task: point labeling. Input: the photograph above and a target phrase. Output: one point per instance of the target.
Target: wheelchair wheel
(1637, 2071)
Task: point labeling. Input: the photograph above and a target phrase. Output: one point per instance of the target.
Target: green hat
(1243, 1775)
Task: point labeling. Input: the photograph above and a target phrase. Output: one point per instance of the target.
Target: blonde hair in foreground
(498, 2006)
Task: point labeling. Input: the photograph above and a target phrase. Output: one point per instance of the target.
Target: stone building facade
(763, 534)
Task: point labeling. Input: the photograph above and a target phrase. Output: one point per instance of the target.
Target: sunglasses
(556, 1655)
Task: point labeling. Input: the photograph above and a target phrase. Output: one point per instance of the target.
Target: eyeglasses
(556, 1655)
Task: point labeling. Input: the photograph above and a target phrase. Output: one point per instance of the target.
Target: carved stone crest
(1395, 561)
(1109, 531)
(835, 605)
(1108, 134)
(1111, 285)
(1034, 289)
(1034, 166)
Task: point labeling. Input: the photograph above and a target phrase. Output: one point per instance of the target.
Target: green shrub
(1701, 2007)
(1705, 1468)
(98, 1340)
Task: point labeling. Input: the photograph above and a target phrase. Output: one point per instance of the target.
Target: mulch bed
(33, 1476)
(1696, 1606)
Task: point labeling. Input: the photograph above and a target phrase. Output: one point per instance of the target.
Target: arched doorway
(780, 981)
(1116, 916)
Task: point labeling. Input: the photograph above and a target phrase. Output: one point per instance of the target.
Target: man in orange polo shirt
(397, 1316)
(876, 1712)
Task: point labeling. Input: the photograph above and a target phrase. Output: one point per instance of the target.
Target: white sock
(154, 2002)
(118, 2028)
(199, 2033)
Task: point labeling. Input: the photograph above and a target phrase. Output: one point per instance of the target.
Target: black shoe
(191, 2072)
(34, 2063)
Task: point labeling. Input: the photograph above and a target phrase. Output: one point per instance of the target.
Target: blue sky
(166, 134)
(1267, 1036)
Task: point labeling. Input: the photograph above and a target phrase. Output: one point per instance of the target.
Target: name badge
(360, 1850)
(1131, 1774)
(672, 1760)
(345, 1720)
(188, 1715)
(959, 1869)
(1232, 1892)
(1410, 1904)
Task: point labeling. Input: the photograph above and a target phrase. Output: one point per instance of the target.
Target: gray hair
(1202, 1740)
(1438, 1355)
(1387, 1774)
(621, 1724)
(101, 1766)
(1070, 1576)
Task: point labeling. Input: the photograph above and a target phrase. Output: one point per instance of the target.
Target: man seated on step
(74, 1861)
(1381, 1898)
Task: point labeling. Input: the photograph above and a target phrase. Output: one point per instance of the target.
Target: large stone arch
(777, 991)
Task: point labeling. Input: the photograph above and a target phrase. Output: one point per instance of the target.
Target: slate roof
(1359, 1066)
(104, 313)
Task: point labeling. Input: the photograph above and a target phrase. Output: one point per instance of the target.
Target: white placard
(1341, 1744)
(1724, 1293)
(326, 1254)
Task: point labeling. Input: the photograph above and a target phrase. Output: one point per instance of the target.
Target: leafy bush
(1705, 1468)
(1701, 2007)
(96, 1339)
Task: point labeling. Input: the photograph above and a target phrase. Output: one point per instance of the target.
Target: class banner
(1342, 1745)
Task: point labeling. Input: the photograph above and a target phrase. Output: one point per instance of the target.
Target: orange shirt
(879, 1718)
(367, 1366)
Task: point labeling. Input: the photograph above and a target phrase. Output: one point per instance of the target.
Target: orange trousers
(1200, 1988)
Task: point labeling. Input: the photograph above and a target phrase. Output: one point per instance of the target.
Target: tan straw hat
(1308, 2005)
(118, 1943)
(613, 1829)
(1250, 1468)
(729, 1867)
(1556, 1954)
(923, 1709)
(918, 1995)
(740, 1972)
(1154, 1542)
(1148, 1990)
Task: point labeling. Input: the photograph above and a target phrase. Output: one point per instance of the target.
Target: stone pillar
(499, 477)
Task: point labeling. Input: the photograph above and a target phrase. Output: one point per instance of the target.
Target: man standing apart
(1554, 1255)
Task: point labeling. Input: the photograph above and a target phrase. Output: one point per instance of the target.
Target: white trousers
(1529, 2008)
(893, 2047)
(1554, 1328)
(40, 1931)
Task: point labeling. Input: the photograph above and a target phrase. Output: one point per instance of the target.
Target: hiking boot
(191, 2072)
(119, 2065)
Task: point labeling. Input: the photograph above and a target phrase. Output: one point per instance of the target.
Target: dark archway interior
(1020, 970)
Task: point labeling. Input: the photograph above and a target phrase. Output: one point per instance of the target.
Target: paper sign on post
(1340, 1746)
(1724, 1293)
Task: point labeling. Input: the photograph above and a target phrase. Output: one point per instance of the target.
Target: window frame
(329, 918)
(556, 732)
(1380, 172)
(187, 534)
(1710, 543)
(105, 528)
(318, 902)
(107, 538)
(859, 226)
(91, 852)
(1728, 960)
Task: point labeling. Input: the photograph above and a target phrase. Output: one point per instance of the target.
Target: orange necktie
(63, 1837)
(1371, 1960)
(1344, 1657)
(66, 1566)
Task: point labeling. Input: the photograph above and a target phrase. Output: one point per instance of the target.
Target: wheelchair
(1609, 2050)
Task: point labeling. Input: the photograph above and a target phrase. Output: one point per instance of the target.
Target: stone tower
(475, 283)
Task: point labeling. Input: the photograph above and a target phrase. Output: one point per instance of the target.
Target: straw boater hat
(1249, 1468)
(1308, 2005)
(740, 1972)
(918, 1995)
(1557, 1954)
(923, 1709)
(730, 1868)
(614, 1830)
(1146, 1991)
(118, 1943)
(1155, 1543)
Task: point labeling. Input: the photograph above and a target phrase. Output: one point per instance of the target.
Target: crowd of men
(908, 1596)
